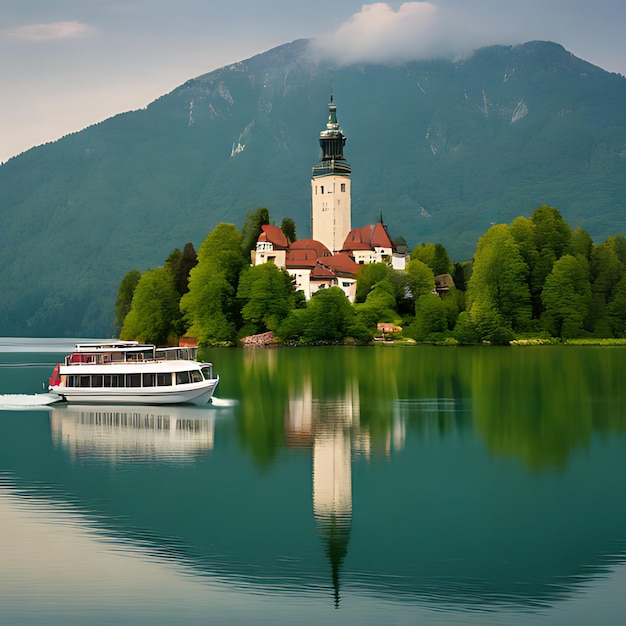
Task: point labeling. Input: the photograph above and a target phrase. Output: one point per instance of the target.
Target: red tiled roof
(274, 235)
(319, 272)
(340, 262)
(367, 238)
(300, 258)
(310, 244)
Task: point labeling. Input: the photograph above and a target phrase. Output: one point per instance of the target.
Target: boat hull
(193, 393)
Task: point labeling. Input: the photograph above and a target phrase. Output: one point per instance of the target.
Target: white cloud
(417, 30)
(52, 31)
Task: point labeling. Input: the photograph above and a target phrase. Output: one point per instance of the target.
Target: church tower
(330, 187)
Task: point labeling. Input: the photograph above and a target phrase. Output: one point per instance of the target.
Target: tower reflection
(333, 429)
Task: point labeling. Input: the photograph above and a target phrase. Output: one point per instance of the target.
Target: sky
(67, 64)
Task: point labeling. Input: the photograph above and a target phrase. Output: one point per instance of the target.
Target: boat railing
(129, 356)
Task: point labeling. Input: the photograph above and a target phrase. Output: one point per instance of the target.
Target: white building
(333, 255)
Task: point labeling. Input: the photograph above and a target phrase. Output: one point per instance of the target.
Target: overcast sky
(66, 64)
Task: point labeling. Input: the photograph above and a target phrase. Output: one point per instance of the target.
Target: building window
(343, 187)
(322, 189)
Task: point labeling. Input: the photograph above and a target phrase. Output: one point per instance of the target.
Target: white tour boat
(133, 373)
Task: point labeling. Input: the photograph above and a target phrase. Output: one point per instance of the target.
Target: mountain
(441, 149)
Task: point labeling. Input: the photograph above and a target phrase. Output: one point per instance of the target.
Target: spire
(332, 124)
(332, 141)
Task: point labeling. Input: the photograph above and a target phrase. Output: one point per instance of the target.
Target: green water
(341, 485)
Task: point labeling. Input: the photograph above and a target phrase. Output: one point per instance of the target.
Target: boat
(129, 372)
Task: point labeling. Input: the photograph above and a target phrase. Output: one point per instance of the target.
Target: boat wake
(12, 401)
(223, 401)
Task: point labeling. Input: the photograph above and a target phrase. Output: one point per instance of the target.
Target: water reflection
(346, 477)
(132, 433)
(331, 426)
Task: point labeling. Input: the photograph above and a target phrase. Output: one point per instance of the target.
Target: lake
(382, 485)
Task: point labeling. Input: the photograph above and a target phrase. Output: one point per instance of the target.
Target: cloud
(52, 31)
(417, 30)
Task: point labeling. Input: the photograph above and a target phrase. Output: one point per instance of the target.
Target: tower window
(343, 187)
(322, 189)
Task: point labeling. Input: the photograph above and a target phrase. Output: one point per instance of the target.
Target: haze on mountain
(441, 148)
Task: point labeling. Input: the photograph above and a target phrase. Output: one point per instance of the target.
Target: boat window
(84, 381)
(114, 380)
(149, 380)
(133, 380)
(208, 374)
(182, 378)
(96, 380)
(196, 376)
(164, 380)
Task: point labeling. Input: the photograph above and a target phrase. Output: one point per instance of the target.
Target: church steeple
(332, 141)
(330, 186)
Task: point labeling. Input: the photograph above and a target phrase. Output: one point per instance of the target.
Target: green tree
(566, 297)
(288, 226)
(420, 278)
(154, 314)
(497, 296)
(605, 272)
(328, 318)
(379, 306)
(252, 229)
(210, 306)
(368, 276)
(580, 243)
(465, 331)
(180, 264)
(125, 297)
(268, 295)
(435, 256)
(551, 238)
(619, 243)
(617, 309)
(430, 317)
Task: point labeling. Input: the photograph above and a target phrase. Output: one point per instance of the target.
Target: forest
(533, 279)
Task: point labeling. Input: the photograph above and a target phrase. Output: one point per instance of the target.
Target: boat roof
(123, 346)
(111, 345)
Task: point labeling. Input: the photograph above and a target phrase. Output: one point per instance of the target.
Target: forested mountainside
(441, 149)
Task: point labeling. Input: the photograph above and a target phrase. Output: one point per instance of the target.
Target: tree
(605, 272)
(617, 309)
(420, 278)
(430, 317)
(379, 306)
(368, 276)
(288, 226)
(154, 315)
(180, 264)
(498, 297)
(328, 318)
(210, 306)
(268, 294)
(125, 297)
(551, 231)
(551, 238)
(435, 256)
(566, 296)
(580, 243)
(252, 229)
